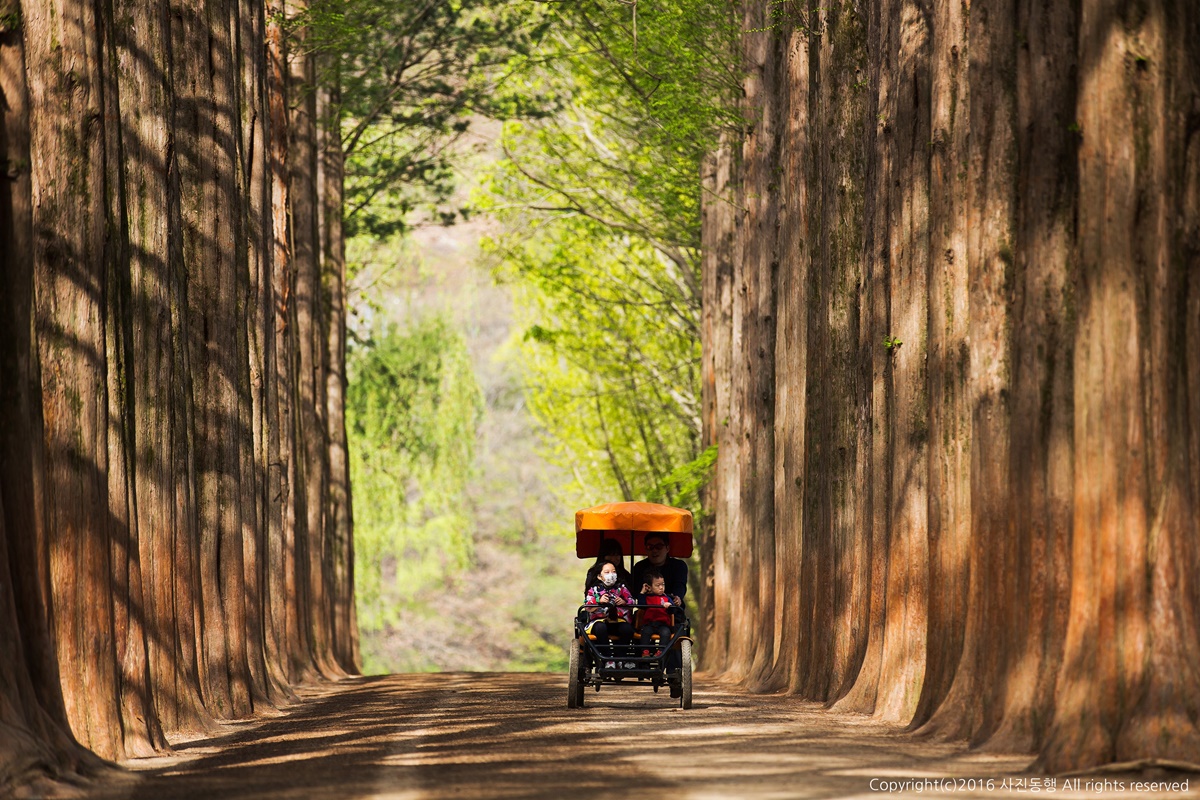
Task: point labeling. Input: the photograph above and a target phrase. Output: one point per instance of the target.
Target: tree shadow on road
(487, 735)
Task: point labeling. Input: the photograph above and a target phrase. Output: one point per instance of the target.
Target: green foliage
(667, 72)
(412, 408)
(799, 15)
(610, 354)
(682, 487)
(891, 343)
(602, 206)
(610, 108)
(644, 93)
(412, 76)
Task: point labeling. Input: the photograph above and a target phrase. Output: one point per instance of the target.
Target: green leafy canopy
(412, 409)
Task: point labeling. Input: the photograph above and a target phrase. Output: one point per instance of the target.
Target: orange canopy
(627, 523)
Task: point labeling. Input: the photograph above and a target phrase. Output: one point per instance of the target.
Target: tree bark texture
(36, 739)
(312, 455)
(964, 269)
(339, 514)
(156, 559)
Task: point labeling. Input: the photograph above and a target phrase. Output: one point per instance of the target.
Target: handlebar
(673, 610)
(629, 605)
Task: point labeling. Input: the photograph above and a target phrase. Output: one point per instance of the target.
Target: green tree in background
(411, 77)
(611, 355)
(412, 410)
(404, 82)
(602, 207)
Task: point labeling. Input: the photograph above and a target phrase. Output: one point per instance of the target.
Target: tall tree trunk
(791, 412)
(158, 337)
(1127, 685)
(282, 627)
(141, 730)
(255, 288)
(721, 215)
(1002, 537)
(339, 517)
(36, 738)
(1041, 463)
(309, 341)
(149, 356)
(949, 515)
(752, 592)
(70, 272)
(875, 437)
(206, 123)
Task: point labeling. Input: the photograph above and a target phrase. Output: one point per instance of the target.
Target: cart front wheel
(575, 678)
(685, 674)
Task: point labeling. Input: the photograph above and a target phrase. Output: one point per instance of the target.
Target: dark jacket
(674, 572)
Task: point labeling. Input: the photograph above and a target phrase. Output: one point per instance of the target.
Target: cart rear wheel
(575, 677)
(685, 674)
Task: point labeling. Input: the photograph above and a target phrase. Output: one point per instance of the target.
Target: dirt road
(412, 737)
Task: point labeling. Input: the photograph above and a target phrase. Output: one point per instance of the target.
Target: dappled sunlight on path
(491, 735)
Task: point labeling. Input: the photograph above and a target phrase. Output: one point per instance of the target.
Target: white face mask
(609, 578)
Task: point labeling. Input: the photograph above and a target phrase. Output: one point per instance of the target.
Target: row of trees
(181, 178)
(952, 358)
(175, 538)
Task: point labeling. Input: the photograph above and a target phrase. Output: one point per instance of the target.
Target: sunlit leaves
(611, 353)
(412, 76)
(601, 203)
(412, 409)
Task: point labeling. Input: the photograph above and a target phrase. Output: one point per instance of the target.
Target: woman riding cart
(630, 635)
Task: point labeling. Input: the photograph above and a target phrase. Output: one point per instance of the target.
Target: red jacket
(656, 614)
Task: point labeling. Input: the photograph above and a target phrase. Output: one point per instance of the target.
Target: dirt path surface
(411, 737)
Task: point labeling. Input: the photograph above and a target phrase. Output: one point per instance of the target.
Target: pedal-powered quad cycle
(597, 664)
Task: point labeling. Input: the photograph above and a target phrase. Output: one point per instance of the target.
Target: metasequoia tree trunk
(791, 343)
(281, 596)
(205, 125)
(255, 278)
(874, 439)
(339, 552)
(724, 256)
(159, 411)
(973, 706)
(986, 467)
(721, 215)
(1127, 684)
(751, 589)
(834, 577)
(905, 121)
(310, 383)
(1041, 465)
(949, 513)
(142, 732)
(64, 47)
(34, 735)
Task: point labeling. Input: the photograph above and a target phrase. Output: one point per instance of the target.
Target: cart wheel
(685, 674)
(575, 678)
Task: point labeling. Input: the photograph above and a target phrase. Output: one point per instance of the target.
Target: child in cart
(603, 588)
(657, 619)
